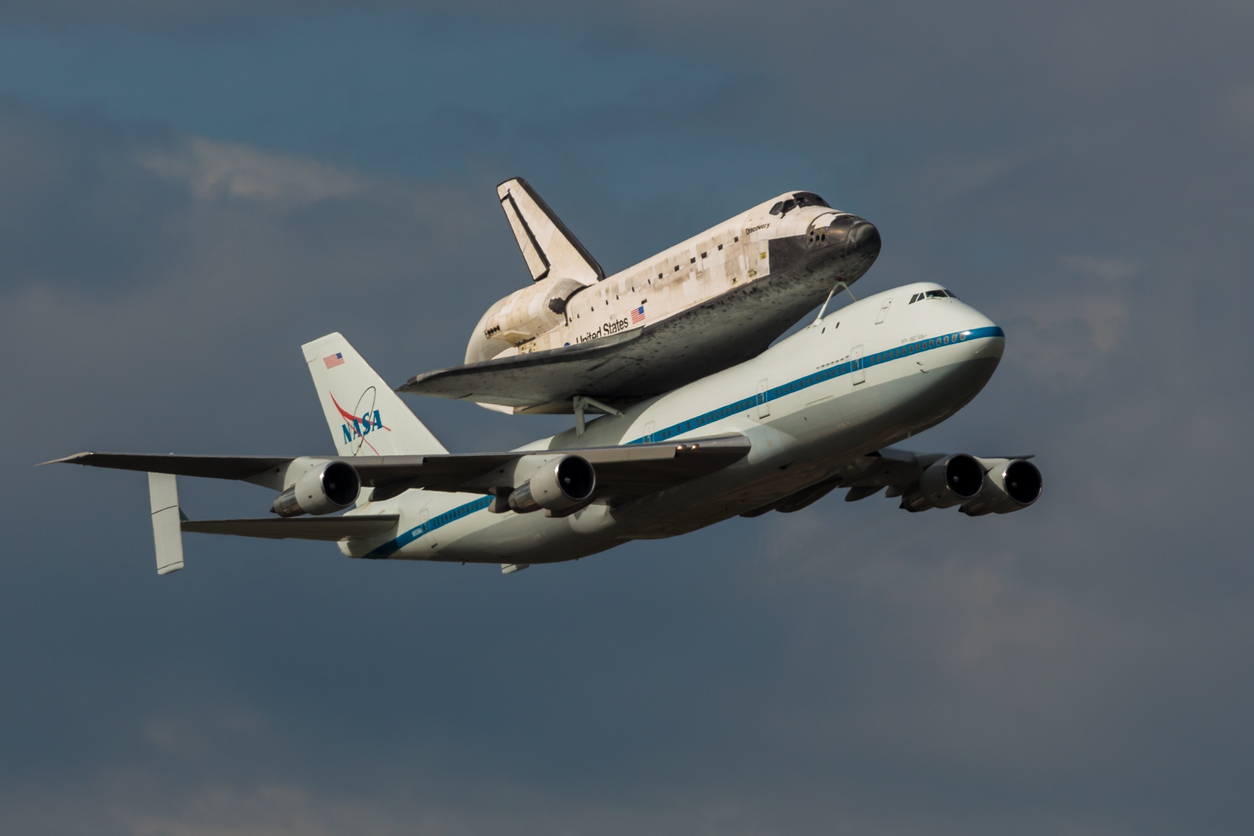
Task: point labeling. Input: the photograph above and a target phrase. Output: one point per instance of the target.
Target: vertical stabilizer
(547, 245)
(365, 416)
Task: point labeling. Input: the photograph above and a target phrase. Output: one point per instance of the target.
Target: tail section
(365, 416)
(547, 245)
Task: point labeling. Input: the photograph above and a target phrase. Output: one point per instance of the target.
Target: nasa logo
(363, 420)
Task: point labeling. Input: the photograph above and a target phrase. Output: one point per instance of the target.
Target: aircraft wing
(242, 468)
(980, 485)
(622, 472)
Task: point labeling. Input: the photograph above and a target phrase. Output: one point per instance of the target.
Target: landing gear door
(857, 370)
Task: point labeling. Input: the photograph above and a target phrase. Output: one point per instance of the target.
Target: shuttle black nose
(850, 236)
(864, 239)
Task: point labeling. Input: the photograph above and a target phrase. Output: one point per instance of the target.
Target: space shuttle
(577, 340)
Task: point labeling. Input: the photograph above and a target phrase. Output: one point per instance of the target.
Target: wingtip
(65, 460)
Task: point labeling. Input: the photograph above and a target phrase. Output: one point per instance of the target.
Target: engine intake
(562, 484)
(948, 482)
(1012, 485)
(322, 490)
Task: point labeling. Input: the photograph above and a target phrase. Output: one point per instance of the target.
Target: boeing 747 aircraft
(578, 338)
(815, 412)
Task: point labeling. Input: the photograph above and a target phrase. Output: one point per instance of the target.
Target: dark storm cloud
(1078, 172)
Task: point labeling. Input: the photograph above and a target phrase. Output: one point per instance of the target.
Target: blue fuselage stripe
(742, 405)
(388, 549)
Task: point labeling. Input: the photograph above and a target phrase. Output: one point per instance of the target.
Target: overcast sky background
(189, 191)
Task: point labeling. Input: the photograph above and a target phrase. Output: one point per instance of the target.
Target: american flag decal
(334, 360)
(637, 315)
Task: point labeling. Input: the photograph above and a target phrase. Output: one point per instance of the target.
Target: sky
(189, 191)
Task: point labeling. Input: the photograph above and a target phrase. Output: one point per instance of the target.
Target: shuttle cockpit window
(798, 200)
(810, 199)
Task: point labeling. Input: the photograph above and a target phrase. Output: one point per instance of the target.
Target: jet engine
(521, 316)
(1011, 485)
(562, 484)
(945, 483)
(322, 490)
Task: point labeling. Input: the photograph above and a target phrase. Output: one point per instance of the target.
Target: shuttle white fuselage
(703, 305)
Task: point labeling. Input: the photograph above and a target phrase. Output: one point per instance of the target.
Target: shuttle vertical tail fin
(365, 416)
(547, 245)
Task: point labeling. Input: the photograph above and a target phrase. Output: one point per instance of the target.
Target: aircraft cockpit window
(931, 294)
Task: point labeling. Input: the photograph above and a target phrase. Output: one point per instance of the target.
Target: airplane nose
(856, 236)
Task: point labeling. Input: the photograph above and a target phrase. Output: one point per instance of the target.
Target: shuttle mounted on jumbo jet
(706, 304)
(813, 413)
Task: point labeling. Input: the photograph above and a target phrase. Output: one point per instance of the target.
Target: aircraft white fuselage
(861, 378)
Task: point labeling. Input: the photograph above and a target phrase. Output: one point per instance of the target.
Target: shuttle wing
(623, 368)
(547, 245)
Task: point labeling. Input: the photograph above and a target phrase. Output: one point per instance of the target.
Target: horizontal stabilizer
(547, 245)
(306, 528)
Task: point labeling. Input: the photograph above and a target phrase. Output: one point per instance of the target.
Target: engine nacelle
(521, 316)
(1011, 485)
(321, 490)
(562, 484)
(945, 483)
